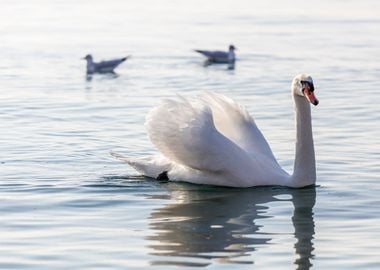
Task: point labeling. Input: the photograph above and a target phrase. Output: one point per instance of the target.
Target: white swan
(215, 141)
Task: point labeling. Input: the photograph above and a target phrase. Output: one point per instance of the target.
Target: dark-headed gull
(103, 66)
(220, 56)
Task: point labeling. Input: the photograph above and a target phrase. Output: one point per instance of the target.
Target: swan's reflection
(208, 223)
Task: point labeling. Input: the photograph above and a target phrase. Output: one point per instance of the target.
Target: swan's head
(303, 86)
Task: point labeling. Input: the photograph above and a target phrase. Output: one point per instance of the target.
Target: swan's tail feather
(151, 166)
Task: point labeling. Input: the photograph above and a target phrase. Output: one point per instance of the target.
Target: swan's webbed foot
(163, 176)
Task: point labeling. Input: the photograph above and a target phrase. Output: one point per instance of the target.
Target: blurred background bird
(103, 66)
(220, 57)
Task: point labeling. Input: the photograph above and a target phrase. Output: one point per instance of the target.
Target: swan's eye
(307, 84)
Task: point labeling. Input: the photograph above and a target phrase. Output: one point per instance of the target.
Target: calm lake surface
(65, 203)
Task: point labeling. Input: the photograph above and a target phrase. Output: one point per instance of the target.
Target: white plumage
(213, 140)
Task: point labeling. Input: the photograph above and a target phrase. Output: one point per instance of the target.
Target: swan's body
(215, 141)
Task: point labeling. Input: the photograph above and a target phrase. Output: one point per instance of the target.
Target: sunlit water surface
(66, 204)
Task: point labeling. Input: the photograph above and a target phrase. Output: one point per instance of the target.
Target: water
(66, 204)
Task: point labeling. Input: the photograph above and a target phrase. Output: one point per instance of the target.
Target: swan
(213, 140)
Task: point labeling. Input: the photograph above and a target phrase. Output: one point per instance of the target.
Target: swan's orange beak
(309, 94)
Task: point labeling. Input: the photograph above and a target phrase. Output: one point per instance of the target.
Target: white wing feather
(185, 133)
(234, 121)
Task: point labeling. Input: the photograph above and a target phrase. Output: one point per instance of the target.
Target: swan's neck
(304, 165)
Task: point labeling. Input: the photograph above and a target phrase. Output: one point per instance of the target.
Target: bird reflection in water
(208, 224)
(104, 76)
(230, 66)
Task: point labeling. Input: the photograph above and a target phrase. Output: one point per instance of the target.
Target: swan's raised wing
(185, 133)
(235, 122)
